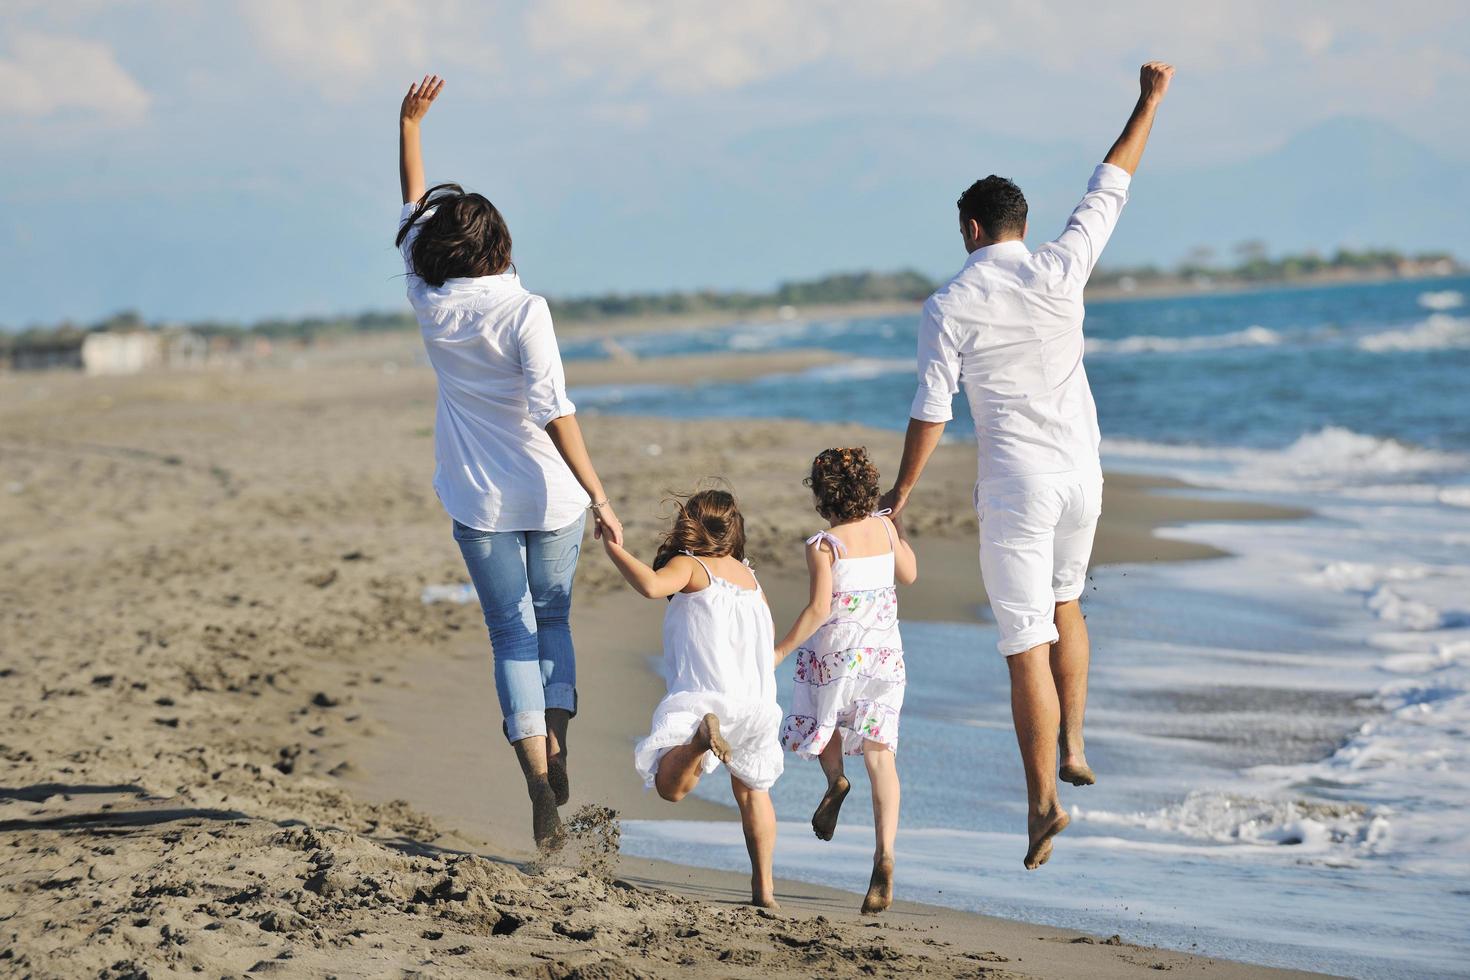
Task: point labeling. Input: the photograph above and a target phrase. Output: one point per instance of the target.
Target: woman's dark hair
(465, 236)
(845, 483)
(708, 524)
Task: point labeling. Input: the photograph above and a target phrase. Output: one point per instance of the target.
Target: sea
(1282, 736)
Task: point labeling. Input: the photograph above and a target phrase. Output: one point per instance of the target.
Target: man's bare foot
(880, 887)
(1041, 830)
(708, 735)
(824, 821)
(556, 776)
(1077, 773)
(545, 821)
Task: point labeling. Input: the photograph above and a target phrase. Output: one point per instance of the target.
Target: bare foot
(824, 821)
(765, 902)
(545, 821)
(709, 735)
(1078, 773)
(556, 776)
(1042, 829)
(880, 887)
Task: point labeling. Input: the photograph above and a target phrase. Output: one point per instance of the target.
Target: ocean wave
(1232, 819)
(1254, 336)
(1332, 458)
(1438, 332)
(858, 369)
(1443, 299)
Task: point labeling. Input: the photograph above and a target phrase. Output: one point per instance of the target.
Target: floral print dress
(850, 674)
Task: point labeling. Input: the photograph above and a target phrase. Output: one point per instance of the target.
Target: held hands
(1153, 81)
(895, 501)
(606, 525)
(420, 96)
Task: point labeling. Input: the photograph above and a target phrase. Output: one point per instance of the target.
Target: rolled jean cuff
(1026, 639)
(525, 724)
(562, 696)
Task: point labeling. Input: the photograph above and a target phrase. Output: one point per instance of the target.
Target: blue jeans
(524, 580)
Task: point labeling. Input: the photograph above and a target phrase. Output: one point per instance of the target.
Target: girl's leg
(496, 561)
(758, 820)
(824, 821)
(680, 767)
(883, 774)
(551, 561)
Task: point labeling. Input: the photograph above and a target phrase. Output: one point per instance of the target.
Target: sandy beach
(238, 742)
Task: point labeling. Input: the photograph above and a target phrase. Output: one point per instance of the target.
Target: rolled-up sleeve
(1077, 249)
(546, 383)
(939, 369)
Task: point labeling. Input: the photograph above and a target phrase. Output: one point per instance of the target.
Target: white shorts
(1034, 549)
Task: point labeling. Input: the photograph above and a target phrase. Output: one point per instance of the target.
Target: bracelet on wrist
(598, 504)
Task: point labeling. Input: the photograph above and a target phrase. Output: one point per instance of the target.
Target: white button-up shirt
(500, 382)
(1008, 329)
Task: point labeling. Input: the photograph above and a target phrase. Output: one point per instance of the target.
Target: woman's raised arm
(415, 106)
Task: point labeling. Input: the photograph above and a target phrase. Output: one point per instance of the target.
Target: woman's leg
(551, 562)
(883, 774)
(758, 820)
(679, 768)
(824, 821)
(496, 561)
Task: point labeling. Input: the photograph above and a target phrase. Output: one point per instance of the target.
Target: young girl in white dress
(718, 664)
(849, 656)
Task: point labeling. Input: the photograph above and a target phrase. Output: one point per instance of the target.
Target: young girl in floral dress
(721, 702)
(849, 657)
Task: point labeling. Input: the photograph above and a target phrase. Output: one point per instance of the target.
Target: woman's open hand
(420, 96)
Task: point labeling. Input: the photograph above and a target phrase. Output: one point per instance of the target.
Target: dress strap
(880, 514)
(751, 569)
(838, 548)
(707, 572)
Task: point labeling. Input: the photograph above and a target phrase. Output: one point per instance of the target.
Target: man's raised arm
(1153, 82)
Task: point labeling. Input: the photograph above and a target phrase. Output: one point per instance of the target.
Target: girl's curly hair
(465, 236)
(707, 523)
(845, 484)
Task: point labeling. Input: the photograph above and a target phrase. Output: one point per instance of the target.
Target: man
(1008, 330)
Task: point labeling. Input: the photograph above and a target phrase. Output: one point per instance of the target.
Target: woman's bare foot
(880, 887)
(708, 735)
(1077, 772)
(556, 776)
(824, 820)
(1041, 830)
(765, 902)
(545, 821)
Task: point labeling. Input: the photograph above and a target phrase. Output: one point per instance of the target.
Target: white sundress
(850, 673)
(719, 658)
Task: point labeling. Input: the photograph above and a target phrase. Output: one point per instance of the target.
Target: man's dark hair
(997, 204)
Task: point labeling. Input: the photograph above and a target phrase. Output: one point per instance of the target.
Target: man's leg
(1071, 653)
(1017, 537)
(1069, 657)
(1036, 714)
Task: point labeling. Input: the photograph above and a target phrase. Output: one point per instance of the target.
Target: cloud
(339, 44)
(44, 74)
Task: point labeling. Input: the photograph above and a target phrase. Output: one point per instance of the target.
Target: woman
(510, 464)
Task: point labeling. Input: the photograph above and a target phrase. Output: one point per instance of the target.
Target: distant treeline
(1251, 264)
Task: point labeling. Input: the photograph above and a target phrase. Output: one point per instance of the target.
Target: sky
(204, 159)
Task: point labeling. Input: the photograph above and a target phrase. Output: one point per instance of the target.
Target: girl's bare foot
(1076, 772)
(880, 887)
(1041, 830)
(824, 821)
(545, 821)
(708, 734)
(556, 776)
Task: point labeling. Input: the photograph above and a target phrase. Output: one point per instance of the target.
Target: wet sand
(237, 742)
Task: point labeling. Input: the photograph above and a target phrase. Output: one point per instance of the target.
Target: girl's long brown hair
(708, 524)
(465, 236)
